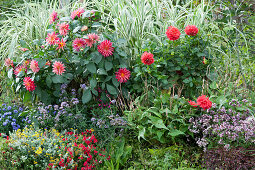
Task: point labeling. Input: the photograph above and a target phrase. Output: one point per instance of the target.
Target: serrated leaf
(92, 67)
(86, 97)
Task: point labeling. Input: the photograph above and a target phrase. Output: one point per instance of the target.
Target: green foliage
(165, 122)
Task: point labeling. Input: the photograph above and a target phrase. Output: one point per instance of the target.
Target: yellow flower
(39, 151)
(35, 162)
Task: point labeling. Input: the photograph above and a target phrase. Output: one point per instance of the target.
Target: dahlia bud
(204, 61)
(84, 28)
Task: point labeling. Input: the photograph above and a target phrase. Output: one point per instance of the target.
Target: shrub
(74, 52)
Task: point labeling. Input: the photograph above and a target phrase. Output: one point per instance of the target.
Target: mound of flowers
(50, 149)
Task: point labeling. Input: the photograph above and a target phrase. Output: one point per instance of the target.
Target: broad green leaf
(58, 79)
(92, 68)
(111, 89)
(213, 85)
(115, 81)
(108, 65)
(48, 81)
(101, 71)
(176, 132)
(96, 56)
(141, 132)
(157, 122)
(93, 83)
(86, 97)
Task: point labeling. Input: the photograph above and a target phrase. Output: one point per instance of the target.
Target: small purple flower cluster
(114, 121)
(225, 126)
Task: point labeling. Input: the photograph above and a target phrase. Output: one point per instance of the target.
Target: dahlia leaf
(111, 89)
(108, 65)
(101, 71)
(96, 57)
(92, 67)
(86, 97)
(48, 81)
(115, 81)
(93, 83)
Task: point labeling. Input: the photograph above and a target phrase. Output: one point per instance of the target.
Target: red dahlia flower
(147, 58)
(92, 38)
(63, 28)
(105, 48)
(61, 43)
(18, 69)
(192, 103)
(77, 13)
(58, 68)
(78, 43)
(34, 66)
(173, 33)
(53, 17)
(52, 38)
(29, 84)
(191, 30)
(123, 75)
(204, 102)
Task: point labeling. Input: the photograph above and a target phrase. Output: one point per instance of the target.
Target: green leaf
(101, 71)
(58, 79)
(48, 81)
(111, 89)
(96, 56)
(115, 81)
(221, 100)
(108, 65)
(27, 97)
(176, 132)
(23, 44)
(213, 85)
(86, 97)
(41, 62)
(157, 122)
(92, 67)
(93, 83)
(141, 132)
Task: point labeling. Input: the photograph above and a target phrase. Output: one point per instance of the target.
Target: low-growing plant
(12, 117)
(49, 149)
